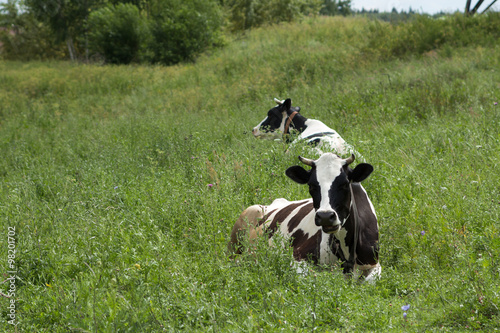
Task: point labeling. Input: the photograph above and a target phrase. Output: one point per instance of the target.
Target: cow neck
(289, 121)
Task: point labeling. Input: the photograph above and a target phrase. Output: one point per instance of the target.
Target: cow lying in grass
(283, 119)
(337, 223)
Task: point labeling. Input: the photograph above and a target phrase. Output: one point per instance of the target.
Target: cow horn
(279, 102)
(350, 159)
(306, 161)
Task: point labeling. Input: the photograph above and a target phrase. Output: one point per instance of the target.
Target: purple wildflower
(404, 315)
(405, 307)
(422, 232)
(210, 185)
(496, 103)
(116, 187)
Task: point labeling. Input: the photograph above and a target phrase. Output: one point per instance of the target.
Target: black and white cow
(337, 223)
(284, 118)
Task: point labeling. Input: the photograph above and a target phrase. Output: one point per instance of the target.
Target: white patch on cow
(303, 226)
(307, 225)
(328, 143)
(371, 272)
(341, 237)
(277, 203)
(328, 167)
(283, 228)
(315, 126)
(326, 255)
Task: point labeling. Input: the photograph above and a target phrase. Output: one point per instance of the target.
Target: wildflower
(422, 233)
(210, 185)
(496, 103)
(116, 187)
(405, 308)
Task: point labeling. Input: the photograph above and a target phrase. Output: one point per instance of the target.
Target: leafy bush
(116, 33)
(424, 33)
(180, 30)
(22, 37)
(336, 7)
(246, 14)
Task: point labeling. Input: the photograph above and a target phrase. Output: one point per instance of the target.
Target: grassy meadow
(105, 173)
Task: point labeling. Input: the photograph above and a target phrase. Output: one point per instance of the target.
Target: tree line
(140, 31)
(149, 31)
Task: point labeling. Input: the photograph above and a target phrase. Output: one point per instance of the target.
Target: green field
(105, 173)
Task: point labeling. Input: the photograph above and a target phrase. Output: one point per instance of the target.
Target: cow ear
(360, 172)
(287, 104)
(298, 174)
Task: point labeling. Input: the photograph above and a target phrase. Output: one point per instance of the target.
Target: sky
(422, 6)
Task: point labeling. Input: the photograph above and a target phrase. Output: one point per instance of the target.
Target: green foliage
(168, 33)
(181, 30)
(246, 14)
(116, 33)
(423, 34)
(105, 171)
(334, 7)
(65, 18)
(24, 38)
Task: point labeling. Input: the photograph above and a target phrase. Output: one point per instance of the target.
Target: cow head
(329, 182)
(274, 124)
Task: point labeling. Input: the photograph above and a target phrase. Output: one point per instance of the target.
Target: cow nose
(325, 219)
(255, 130)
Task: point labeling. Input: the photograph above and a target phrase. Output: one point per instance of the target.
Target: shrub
(246, 14)
(22, 37)
(116, 33)
(424, 33)
(180, 30)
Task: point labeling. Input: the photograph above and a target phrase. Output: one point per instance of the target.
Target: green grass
(105, 171)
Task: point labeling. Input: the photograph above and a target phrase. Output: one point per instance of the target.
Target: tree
(181, 29)
(116, 33)
(246, 14)
(66, 18)
(336, 7)
(22, 37)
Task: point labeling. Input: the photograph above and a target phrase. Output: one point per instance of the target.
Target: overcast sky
(422, 6)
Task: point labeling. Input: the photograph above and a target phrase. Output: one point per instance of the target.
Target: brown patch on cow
(282, 214)
(306, 248)
(297, 218)
(265, 218)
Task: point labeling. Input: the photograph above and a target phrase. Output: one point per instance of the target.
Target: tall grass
(105, 175)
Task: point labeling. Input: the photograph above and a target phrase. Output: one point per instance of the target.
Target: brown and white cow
(337, 223)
